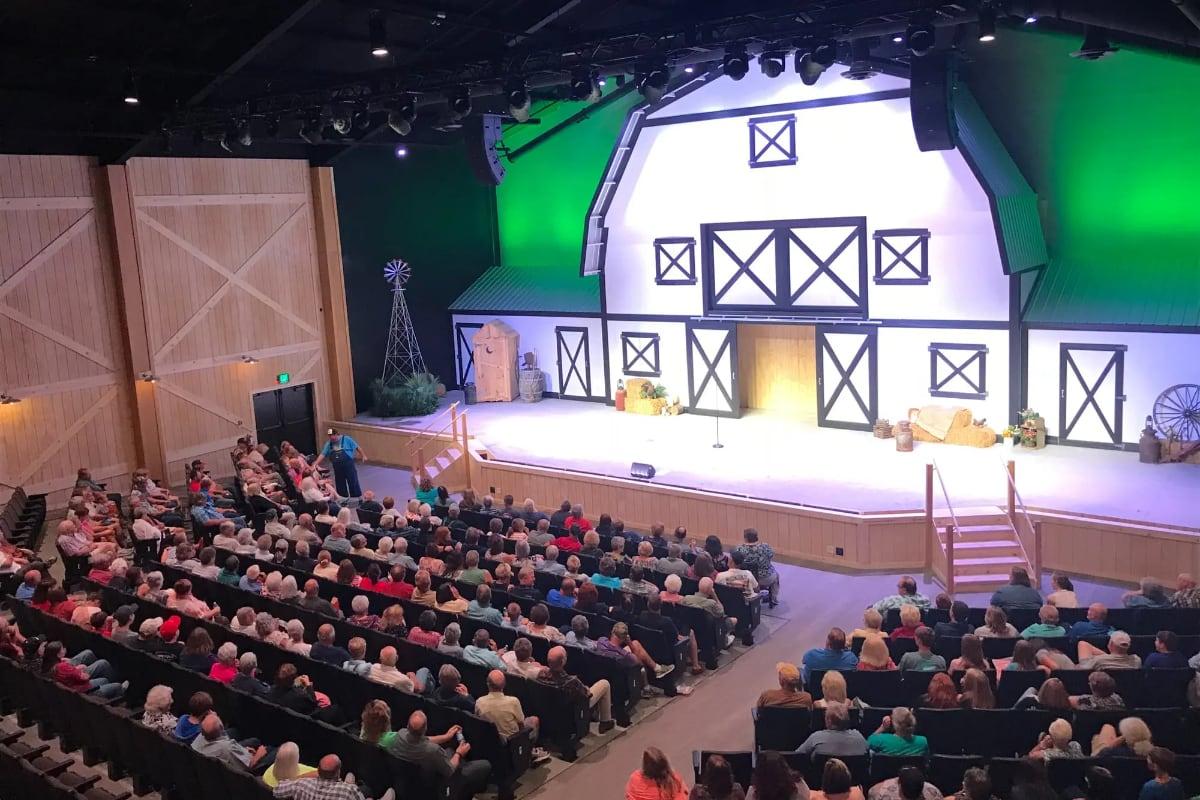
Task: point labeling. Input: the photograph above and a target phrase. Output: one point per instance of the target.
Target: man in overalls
(341, 451)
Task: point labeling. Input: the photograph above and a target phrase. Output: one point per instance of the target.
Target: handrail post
(419, 472)
(454, 421)
(930, 533)
(466, 453)
(1037, 551)
(951, 531)
(1012, 492)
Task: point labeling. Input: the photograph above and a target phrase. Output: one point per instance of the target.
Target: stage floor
(774, 457)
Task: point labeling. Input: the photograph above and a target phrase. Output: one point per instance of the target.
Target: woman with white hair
(425, 510)
(310, 492)
(897, 735)
(387, 522)
(263, 550)
(345, 516)
(1134, 742)
(252, 580)
(360, 612)
(383, 551)
(226, 664)
(672, 588)
(296, 643)
(412, 511)
(157, 709)
(245, 542)
(152, 589)
(280, 528)
(273, 584)
(1056, 743)
(287, 766)
(289, 590)
(266, 628)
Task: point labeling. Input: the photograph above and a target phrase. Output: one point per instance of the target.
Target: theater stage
(773, 457)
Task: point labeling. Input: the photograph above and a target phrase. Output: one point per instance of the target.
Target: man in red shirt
(577, 518)
(425, 632)
(569, 542)
(395, 586)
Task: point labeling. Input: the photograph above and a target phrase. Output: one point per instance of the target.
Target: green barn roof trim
(1014, 203)
(523, 289)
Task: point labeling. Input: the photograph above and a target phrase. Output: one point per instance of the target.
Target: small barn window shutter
(958, 370)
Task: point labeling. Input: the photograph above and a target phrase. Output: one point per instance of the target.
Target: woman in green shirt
(377, 724)
(896, 735)
(427, 493)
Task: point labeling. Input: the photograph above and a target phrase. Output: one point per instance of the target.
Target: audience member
(756, 557)
(1094, 626)
(1018, 593)
(838, 738)
(1063, 595)
(1117, 657)
(909, 784)
(996, 625)
(716, 781)
(872, 626)
(874, 656)
(906, 594)
(910, 620)
(896, 735)
(790, 693)
(1150, 594)
(1047, 625)
(940, 693)
(924, 659)
(414, 745)
(834, 655)
(1057, 743)
(837, 783)
(656, 780)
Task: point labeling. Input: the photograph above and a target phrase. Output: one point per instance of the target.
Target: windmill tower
(403, 356)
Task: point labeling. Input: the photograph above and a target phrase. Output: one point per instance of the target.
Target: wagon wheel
(1177, 412)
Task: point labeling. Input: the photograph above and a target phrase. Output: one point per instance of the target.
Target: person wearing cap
(341, 451)
(1117, 657)
(789, 694)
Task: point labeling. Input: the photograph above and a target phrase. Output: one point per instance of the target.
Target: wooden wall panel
(227, 253)
(777, 368)
(61, 347)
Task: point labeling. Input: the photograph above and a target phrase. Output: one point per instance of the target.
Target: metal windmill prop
(403, 356)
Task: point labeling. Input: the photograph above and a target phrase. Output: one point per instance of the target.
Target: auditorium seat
(742, 764)
(778, 728)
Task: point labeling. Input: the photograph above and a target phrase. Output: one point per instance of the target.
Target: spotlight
(920, 37)
(129, 92)
(377, 28)
(771, 64)
(652, 80)
(813, 60)
(362, 119)
(401, 117)
(148, 377)
(898, 38)
(310, 130)
(860, 61)
(1095, 44)
(458, 100)
(249, 360)
(401, 151)
(584, 85)
(689, 69)
(242, 133)
(602, 81)
(7, 399)
(987, 23)
(517, 93)
(1031, 20)
(736, 63)
(342, 119)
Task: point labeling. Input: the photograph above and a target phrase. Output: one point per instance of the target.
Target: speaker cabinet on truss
(482, 135)
(933, 79)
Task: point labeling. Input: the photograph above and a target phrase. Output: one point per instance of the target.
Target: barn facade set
(904, 278)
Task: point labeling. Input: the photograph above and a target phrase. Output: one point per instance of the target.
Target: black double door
(286, 414)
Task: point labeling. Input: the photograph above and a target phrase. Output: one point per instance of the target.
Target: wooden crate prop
(496, 349)
(636, 404)
(882, 429)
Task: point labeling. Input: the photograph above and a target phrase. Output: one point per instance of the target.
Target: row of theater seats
(22, 518)
(950, 647)
(156, 761)
(999, 732)
(1158, 688)
(1134, 621)
(946, 771)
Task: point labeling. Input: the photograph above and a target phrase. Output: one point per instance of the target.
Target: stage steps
(986, 547)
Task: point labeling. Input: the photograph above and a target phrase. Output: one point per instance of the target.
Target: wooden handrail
(427, 433)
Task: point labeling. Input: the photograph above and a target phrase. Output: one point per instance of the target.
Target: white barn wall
(672, 353)
(537, 336)
(904, 371)
(1153, 362)
(854, 160)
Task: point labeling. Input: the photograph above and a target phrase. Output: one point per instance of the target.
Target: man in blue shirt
(1095, 624)
(1018, 593)
(833, 655)
(481, 607)
(341, 450)
(28, 584)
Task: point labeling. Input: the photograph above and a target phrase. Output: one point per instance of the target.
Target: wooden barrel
(904, 436)
(532, 384)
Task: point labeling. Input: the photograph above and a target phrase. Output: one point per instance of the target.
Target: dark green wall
(429, 210)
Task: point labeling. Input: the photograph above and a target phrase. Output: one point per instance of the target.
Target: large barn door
(847, 376)
(1091, 399)
(464, 348)
(574, 363)
(712, 369)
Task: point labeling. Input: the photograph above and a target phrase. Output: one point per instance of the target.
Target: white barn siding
(538, 336)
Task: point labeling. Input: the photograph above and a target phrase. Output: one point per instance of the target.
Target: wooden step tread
(984, 529)
(985, 578)
(986, 561)
(985, 544)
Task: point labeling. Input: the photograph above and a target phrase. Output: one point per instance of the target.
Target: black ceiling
(199, 65)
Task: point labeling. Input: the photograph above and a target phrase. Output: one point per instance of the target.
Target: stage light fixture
(584, 85)
(362, 119)
(1095, 44)
(516, 92)
(400, 118)
(987, 23)
(860, 61)
(736, 63)
(342, 118)
(653, 79)
(7, 399)
(771, 64)
(813, 59)
(148, 377)
(1031, 20)
(458, 100)
(602, 81)
(401, 151)
(920, 37)
(898, 38)
(243, 134)
(249, 360)
(377, 28)
(310, 130)
(689, 69)
(129, 91)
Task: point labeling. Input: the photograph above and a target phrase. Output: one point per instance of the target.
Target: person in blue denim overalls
(342, 451)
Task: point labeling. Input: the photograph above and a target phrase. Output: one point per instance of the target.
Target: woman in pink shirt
(225, 667)
(655, 780)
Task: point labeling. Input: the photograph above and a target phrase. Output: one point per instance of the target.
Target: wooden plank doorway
(777, 366)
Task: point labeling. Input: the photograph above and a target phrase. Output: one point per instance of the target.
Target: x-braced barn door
(712, 369)
(847, 377)
(464, 348)
(1091, 393)
(574, 362)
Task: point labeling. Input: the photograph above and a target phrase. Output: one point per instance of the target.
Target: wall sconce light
(148, 377)
(7, 399)
(249, 360)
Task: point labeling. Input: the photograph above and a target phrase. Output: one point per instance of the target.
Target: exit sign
(283, 377)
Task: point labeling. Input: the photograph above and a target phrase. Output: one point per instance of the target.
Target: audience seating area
(22, 518)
